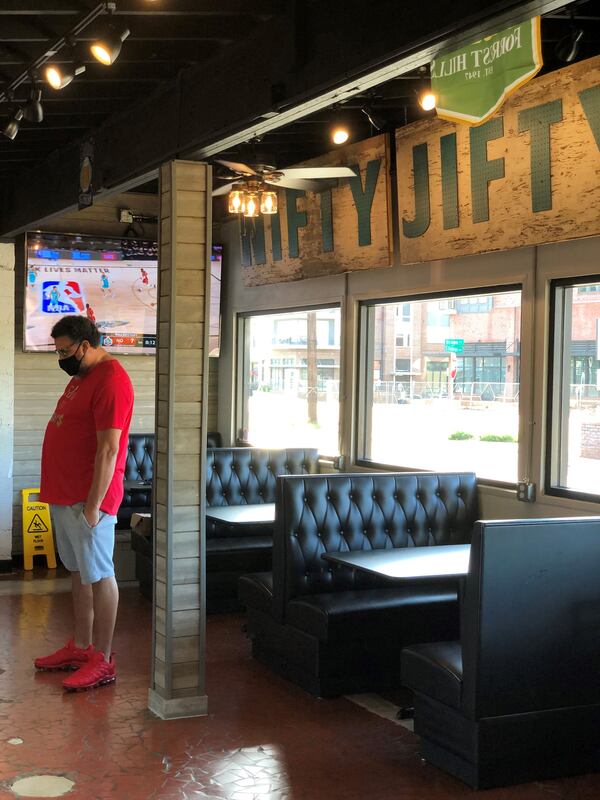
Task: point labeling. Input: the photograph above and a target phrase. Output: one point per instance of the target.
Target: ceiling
(167, 37)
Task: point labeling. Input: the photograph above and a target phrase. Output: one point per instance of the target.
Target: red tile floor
(263, 737)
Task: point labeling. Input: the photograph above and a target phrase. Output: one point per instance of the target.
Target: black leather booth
(335, 631)
(234, 476)
(140, 467)
(238, 476)
(518, 697)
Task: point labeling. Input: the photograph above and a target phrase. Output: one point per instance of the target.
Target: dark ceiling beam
(256, 8)
(145, 29)
(196, 116)
(135, 52)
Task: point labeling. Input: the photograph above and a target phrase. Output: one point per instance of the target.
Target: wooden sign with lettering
(340, 229)
(529, 175)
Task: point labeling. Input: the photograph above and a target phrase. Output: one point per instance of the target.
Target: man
(83, 460)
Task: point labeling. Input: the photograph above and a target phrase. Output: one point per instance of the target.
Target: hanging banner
(471, 83)
(343, 228)
(528, 176)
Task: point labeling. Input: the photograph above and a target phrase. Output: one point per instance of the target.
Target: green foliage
(461, 436)
(495, 437)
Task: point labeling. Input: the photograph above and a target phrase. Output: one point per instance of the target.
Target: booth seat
(335, 630)
(234, 476)
(517, 697)
(140, 467)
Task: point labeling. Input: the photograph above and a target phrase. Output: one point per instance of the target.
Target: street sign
(454, 345)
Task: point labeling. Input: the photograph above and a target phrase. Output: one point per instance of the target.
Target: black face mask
(71, 364)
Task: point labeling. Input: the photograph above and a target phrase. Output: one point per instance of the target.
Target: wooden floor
(263, 737)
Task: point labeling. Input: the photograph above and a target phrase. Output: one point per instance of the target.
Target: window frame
(557, 366)
(242, 350)
(362, 416)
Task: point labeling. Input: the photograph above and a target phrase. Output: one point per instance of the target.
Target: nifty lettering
(253, 238)
(536, 121)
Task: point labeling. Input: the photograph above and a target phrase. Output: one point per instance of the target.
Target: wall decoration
(527, 176)
(343, 228)
(471, 83)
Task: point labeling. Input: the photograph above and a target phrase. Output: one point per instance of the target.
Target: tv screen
(111, 281)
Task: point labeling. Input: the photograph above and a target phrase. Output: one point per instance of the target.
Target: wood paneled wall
(38, 380)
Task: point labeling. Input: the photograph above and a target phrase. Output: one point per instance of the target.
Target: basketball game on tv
(111, 281)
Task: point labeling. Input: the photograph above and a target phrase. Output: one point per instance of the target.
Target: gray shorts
(81, 548)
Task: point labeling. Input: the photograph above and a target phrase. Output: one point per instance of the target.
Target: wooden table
(404, 563)
(260, 513)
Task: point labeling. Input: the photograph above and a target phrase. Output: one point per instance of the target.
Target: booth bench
(235, 476)
(334, 630)
(517, 697)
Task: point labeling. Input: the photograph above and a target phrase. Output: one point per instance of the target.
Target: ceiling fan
(248, 186)
(303, 178)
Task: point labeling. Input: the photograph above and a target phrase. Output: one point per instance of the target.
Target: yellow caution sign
(37, 530)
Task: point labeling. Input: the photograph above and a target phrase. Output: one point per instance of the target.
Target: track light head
(61, 75)
(33, 110)
(106, 49)
(11, 128)
(568, 47)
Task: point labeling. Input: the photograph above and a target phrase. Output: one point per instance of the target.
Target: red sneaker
(68, 657)
(95, 672)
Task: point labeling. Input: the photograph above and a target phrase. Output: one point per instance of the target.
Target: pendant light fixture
(252, 208)
(236, 201)
(425, 96)
(268, 202)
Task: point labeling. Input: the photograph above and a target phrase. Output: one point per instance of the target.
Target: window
(403, 340)
(403, 312)
(452, 401)
(574, 418)
(474, 305)
(289, 379)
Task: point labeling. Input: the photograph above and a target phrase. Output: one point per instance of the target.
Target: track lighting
(106, 49)
(61, 75)
(568, 47)
(11, 128)
(33, 110)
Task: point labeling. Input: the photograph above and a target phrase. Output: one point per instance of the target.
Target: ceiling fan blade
(302, 185)
(318, 172)
(222, 190)
(244, 169)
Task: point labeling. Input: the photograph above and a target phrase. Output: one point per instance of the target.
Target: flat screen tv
(112, 281)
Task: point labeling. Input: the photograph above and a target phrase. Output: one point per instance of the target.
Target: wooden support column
(181, 420)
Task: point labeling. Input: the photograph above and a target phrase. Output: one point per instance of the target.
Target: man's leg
(106, 601)
(83, 611)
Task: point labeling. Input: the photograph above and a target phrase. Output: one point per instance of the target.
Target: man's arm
(107, 450)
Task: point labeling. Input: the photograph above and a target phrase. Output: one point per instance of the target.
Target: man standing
(83, 460)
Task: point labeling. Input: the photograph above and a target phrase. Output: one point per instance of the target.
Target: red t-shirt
(99, 400)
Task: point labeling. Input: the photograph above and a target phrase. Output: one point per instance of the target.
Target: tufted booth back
(359, 511)
(139, 466)
(247, 475)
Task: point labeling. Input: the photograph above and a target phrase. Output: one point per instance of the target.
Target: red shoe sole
(59, 667)
(103, 682)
